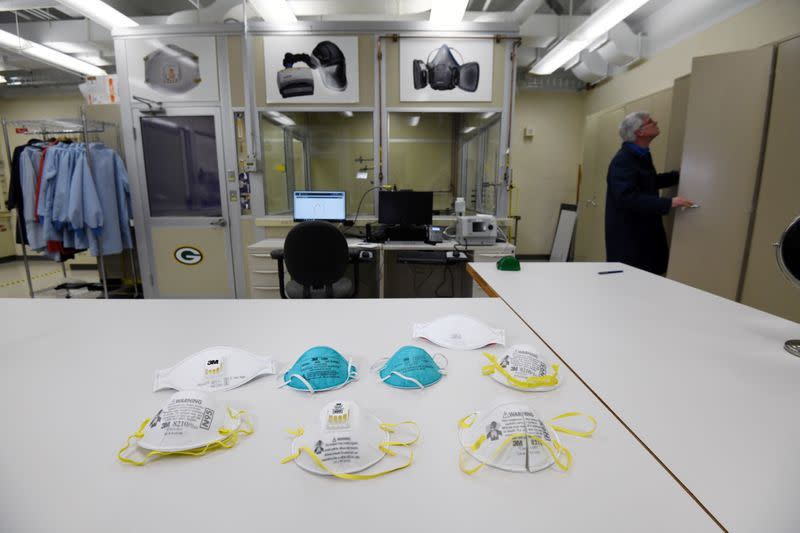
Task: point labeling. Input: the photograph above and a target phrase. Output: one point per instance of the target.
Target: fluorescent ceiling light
(448, 11)
(279, 118)
(274, 10)
(100, 12)
(71, 48)
(48, 55)
(413, 120)
(348, 114)
(468, 129)
(94, 59)
(601, 21)
(488, 115)
(3, 79)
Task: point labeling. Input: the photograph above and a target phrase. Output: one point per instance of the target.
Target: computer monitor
(319, 205)
(405, 208)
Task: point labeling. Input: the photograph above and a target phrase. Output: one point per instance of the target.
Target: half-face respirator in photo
(326, 58)
(444, 73)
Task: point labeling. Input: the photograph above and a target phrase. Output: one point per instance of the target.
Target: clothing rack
(50, 127)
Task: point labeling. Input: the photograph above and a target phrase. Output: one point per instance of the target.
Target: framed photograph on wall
(311, 69)
(173, 69)
(446, 70)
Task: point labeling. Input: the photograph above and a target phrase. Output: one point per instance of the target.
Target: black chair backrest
(316, 253)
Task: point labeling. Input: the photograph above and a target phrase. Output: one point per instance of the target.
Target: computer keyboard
(422, 257)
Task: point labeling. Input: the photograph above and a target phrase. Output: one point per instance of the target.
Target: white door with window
(186, 205)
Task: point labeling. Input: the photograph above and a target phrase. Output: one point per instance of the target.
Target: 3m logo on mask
(444, 73)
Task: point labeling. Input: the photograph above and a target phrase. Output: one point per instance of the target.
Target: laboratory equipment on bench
(476, 230)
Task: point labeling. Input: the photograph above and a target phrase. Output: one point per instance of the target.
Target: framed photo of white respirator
(317, 69)
(175, 69)
(446, 70)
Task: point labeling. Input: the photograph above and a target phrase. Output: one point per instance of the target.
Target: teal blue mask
(411, 368)
(318, 369)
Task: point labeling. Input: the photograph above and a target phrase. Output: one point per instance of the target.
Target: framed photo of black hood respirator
(318, 69)
(446, 70)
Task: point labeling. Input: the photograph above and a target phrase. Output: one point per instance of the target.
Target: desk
(703, 381)
(76, 383)
(263, 270)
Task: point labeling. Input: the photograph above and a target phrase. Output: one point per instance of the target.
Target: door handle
(591, 203)
(220, 223)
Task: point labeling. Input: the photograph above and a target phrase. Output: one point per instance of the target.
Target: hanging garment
(15, 200)
(113, 193)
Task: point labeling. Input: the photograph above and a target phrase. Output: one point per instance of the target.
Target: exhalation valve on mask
(326, 58)
(348, 441)
(172, 69)
(444, 73)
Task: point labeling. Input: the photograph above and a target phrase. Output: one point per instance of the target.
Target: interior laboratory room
(403, 264)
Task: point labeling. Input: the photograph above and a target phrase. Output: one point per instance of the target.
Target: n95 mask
(349, 440)
(216, 369)
(318, 369)
(511, 436)
(459, 332)
(523, 368)
(191, 423)
(410, 367)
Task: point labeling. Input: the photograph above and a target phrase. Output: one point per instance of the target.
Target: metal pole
(19, 218)
(91, 171)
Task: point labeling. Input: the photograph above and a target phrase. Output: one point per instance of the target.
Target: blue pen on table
(611, 272)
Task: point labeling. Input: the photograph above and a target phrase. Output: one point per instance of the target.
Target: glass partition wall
(330, 151)
(452, 154)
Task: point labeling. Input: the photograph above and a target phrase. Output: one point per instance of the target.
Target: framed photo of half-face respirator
(455, 70)
(311, 69)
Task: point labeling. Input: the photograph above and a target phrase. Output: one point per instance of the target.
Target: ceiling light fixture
(48, 55)
(448, 11)
(277, 11)
(100, 12)
(601, 21)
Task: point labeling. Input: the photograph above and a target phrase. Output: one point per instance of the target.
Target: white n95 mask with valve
(511, 436)
(191, 423)
(523, 368)
(172, 69)
(214, 369)
(349, 440)
(459, 332)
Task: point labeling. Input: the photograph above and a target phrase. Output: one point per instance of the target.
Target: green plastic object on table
(508, 262)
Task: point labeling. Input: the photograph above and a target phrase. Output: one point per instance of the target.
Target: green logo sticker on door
(188, 255)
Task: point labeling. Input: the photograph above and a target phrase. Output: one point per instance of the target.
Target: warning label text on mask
(338, 450)
(185, 414)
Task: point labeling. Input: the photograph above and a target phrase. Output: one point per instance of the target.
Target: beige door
(721, 154)
(674, 144)
(765, 287)
(587, 195)
(187, 219)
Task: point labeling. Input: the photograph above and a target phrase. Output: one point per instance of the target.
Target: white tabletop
(77, 380)
(703, 381)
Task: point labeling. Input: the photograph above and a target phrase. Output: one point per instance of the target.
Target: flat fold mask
(318, 369)
(511, 436)
(523, 368)
(214, 369)
(349, 440)
(411, 367)
(190, 423)
(459, 332)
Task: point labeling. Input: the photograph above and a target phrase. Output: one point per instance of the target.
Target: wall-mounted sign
(446, 70)
(314, 69)
(173, 69)
(188, 255)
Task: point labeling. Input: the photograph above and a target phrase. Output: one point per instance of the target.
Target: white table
(77, 382)
(703, 381)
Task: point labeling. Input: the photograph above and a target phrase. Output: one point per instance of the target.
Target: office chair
(316, 256)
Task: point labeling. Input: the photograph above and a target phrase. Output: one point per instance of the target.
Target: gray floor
(45, 275)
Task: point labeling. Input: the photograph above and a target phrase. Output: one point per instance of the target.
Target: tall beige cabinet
(739, 165)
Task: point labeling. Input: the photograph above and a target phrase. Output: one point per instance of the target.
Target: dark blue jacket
(634, 231)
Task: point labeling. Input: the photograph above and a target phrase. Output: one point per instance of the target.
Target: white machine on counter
(476, 230)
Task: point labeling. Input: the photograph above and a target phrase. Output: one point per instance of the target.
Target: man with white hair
(634, 230)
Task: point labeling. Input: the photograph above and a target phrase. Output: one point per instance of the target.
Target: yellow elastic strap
(385, 447)
(577, 433)
(323, 466)
(229, 441)
(532, 382)
(555, 452)
(463, 422)
(296, 432)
